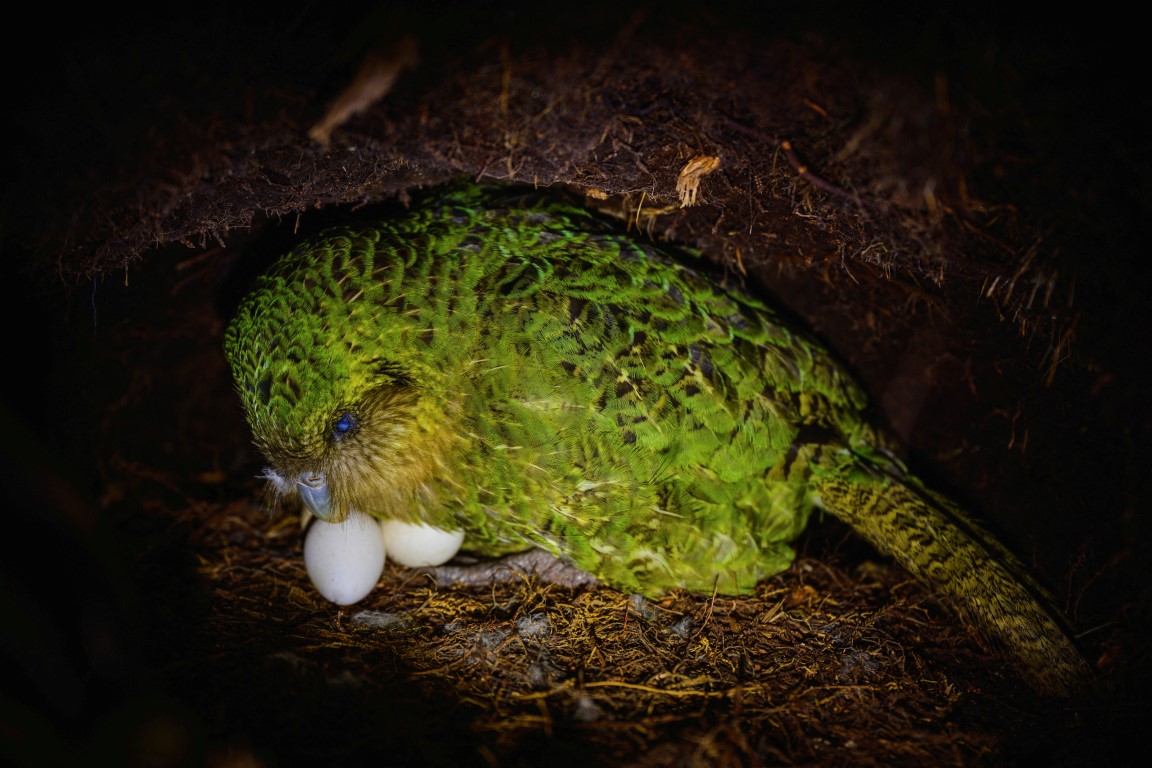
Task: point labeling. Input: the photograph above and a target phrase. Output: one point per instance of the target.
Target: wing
(630, 414)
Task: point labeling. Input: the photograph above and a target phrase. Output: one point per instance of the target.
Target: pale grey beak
(313, 490)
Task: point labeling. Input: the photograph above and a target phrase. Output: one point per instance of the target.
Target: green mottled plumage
(513, 366)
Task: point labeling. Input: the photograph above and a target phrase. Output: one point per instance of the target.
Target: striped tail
(980, 579)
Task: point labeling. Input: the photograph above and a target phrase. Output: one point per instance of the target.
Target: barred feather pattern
(511, 365)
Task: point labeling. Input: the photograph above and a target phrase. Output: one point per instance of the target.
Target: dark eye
(344, 426)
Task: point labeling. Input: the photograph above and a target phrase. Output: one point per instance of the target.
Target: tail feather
(980, 579)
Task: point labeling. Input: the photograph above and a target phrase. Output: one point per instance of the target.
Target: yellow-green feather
(520, 369)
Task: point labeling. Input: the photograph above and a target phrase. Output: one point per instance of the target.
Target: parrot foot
(534, 562)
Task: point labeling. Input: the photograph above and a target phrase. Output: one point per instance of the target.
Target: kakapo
(506, 363)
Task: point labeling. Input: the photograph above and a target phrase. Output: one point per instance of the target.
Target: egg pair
(345, 560)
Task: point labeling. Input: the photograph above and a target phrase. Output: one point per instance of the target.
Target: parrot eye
(344, 426)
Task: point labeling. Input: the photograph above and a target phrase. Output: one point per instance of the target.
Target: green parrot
(504, 363)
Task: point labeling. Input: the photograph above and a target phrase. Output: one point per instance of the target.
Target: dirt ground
(952, 201)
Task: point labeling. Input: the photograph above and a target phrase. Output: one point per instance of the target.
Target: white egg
(416, 544)
(344, 560)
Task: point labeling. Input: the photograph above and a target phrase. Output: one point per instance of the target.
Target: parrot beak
(313, 490)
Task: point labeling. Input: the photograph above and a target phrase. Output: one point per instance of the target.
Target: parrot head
(341, 424)
(343, 453)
